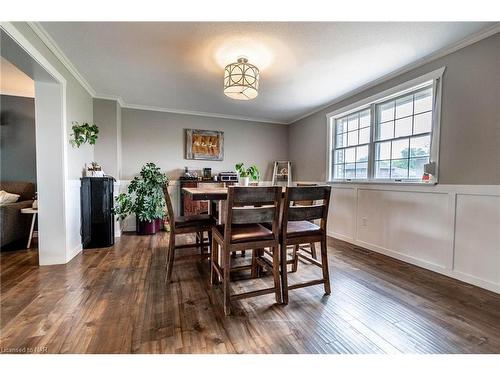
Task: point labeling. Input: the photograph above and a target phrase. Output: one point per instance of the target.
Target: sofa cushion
(14, 225)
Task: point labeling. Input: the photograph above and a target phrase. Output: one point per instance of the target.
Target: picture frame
(204, 144)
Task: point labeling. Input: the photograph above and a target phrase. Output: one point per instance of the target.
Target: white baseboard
(77, 250)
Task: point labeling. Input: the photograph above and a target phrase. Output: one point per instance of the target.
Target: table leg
(31, 230)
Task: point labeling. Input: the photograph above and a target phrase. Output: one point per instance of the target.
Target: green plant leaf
(144, 196)
(83, 133)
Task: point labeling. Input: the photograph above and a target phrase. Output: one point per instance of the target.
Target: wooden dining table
(217, 195)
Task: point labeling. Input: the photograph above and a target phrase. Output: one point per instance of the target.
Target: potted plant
(145, 199)
(246, 174)
(84, 133)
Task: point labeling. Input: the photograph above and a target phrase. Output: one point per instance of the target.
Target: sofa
(15, 226)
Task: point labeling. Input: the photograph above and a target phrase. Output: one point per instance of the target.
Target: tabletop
(29, 210)
(208, 193)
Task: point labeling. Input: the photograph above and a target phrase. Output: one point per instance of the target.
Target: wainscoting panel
(73, 219)
(450, 229)
(342, 213)
(477, 237)
(407, 223)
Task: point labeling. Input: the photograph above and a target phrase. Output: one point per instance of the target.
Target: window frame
(435, 78)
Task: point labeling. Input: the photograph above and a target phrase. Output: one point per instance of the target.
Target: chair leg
(214, 258)
(197, 241)
(209, 247)
(171, 256)
(200, 242)
(276, 273)
(295, 263)
(227, 297)
(255, 265)
(284, 274)
(313, 250)
(324, 266)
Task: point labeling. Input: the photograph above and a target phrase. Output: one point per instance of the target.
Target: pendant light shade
(241, 80)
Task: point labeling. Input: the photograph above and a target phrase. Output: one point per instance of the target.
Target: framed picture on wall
(204, 144)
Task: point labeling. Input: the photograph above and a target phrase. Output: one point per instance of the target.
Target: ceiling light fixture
(241, 80)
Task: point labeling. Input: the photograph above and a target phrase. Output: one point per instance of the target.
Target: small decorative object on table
(35, 201)
(247, 174)
(94, 170)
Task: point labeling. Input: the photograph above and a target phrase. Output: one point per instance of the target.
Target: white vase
(244, 181)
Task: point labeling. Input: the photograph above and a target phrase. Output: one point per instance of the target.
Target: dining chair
(248, 208)
(297, 228)
(309, 248)
(193, 224)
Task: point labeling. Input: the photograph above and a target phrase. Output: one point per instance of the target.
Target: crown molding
(52, 45)
(119, 99)
(204, 114)
(54, 48)
(471, 39)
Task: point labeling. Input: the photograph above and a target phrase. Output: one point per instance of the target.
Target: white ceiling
(14, 82)
(179, 66)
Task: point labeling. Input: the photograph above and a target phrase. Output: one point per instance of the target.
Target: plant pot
(145, 227)
(244, 181)
(158, 224)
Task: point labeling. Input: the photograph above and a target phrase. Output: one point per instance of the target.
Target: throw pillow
(6, 197)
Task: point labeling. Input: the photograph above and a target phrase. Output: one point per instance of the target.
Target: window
(352, 134)
(389, 137)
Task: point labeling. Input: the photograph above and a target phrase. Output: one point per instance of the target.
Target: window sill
(383, 182)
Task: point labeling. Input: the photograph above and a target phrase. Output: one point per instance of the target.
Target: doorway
(51, 142)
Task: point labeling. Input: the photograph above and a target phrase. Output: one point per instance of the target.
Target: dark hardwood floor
(115, 301)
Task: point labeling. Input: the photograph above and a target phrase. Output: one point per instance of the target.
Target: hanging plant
(84, 133)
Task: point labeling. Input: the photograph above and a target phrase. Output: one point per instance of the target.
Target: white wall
(450, 229)
(50, 138)
(78, 106)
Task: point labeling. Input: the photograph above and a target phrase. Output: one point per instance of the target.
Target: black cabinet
(98, 226)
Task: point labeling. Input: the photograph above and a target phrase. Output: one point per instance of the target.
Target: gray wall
(470, 119)
(17, 139)
(107, 116)
(159, 137)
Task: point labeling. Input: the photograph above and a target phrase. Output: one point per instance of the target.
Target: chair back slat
(254, 215)
(319, 196)
(243, 196)
(304, 203)
(253, 205)
(308, 193)
(170, 209)
(299, 213)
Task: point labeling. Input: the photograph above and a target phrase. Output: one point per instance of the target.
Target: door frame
(52, 184)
